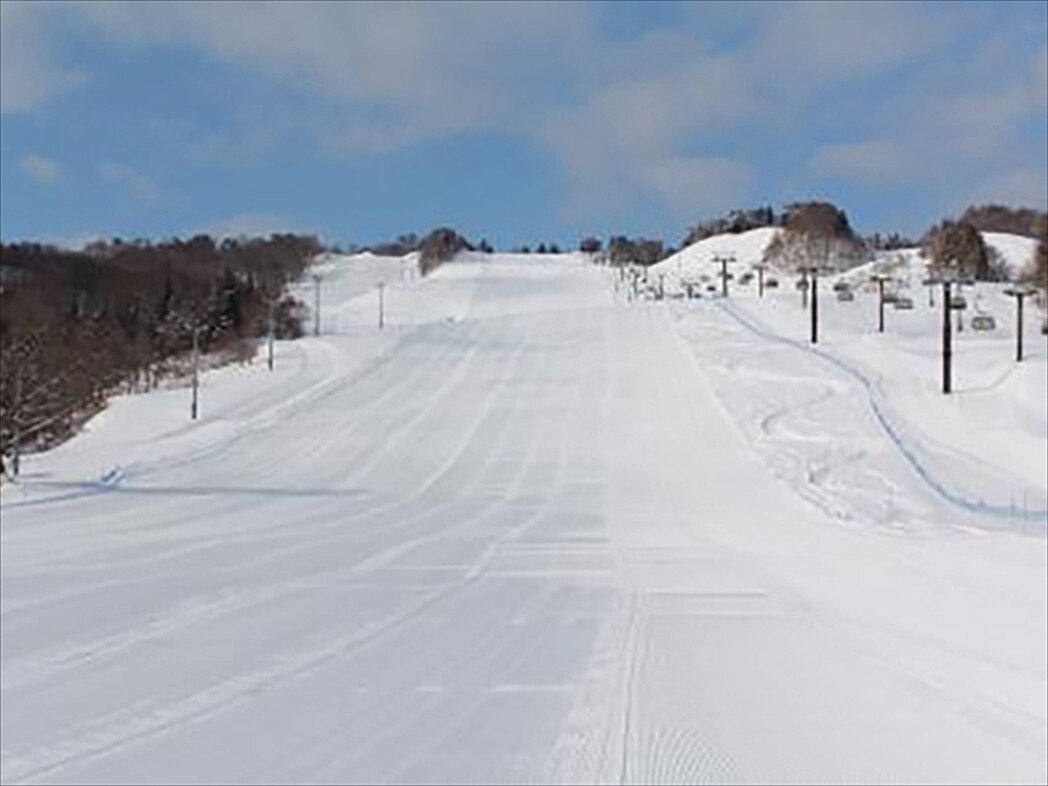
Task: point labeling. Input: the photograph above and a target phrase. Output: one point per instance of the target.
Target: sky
(514, 122)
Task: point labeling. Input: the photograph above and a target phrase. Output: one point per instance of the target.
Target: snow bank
(697, 259)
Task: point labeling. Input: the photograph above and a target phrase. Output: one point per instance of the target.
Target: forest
(78, 326)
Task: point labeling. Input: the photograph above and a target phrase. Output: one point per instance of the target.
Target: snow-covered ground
(530, 531)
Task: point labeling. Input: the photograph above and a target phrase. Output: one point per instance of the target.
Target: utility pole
(196, 372)
(880, 279)
(316, 306)
(760, 279)
(1019, 293)
(381, 306)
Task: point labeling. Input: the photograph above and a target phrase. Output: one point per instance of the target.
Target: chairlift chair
(984, 323)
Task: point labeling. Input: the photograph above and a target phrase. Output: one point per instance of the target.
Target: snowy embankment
(528, 531)
(985, 448)
(695, 262)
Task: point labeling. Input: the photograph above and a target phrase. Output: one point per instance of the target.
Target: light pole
(1019, 293)
(880, 279)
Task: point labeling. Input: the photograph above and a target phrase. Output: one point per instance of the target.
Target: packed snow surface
(536, 530)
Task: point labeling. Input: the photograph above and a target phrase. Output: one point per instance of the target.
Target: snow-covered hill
(694, 261)
(1016, 250)
(531, 531)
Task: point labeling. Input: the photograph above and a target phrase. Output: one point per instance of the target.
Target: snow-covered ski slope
(531, 531)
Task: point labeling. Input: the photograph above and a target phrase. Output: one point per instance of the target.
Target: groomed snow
(532, 531)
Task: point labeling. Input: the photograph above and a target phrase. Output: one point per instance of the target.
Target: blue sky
(518, 122)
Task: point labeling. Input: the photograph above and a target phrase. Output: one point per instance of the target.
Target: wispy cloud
(247, 225)
(42, 170)
(143, 189)
(877, 95)
(29, 73)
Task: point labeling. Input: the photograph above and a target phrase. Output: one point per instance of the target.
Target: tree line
(77, 326)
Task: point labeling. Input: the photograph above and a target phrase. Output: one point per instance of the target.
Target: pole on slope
(880, 279)
(193, 408)
(1019, 294)
(316, 306)
(270, 331)
(814, 306)
(724, 261)
(760, 280)
(947, 339)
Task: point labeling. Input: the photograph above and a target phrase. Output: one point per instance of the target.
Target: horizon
(515, 123)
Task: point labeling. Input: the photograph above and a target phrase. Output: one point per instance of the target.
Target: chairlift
(841, 286)
(984, 323)
(902, 303)
(845, 295)
(958, 302)
(771, 283)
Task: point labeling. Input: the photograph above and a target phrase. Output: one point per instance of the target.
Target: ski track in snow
(529, 544)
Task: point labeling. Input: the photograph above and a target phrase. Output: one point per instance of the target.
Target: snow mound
(1016, 250)
(697, 259)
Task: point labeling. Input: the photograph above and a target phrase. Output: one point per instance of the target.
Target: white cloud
(246, 225)
(694, 184)
(874, 162)
(40, 169)
(1023, 187)
(803, 47)
(29, 75)
(1039, 82)
(630, 118)
(138, 184)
